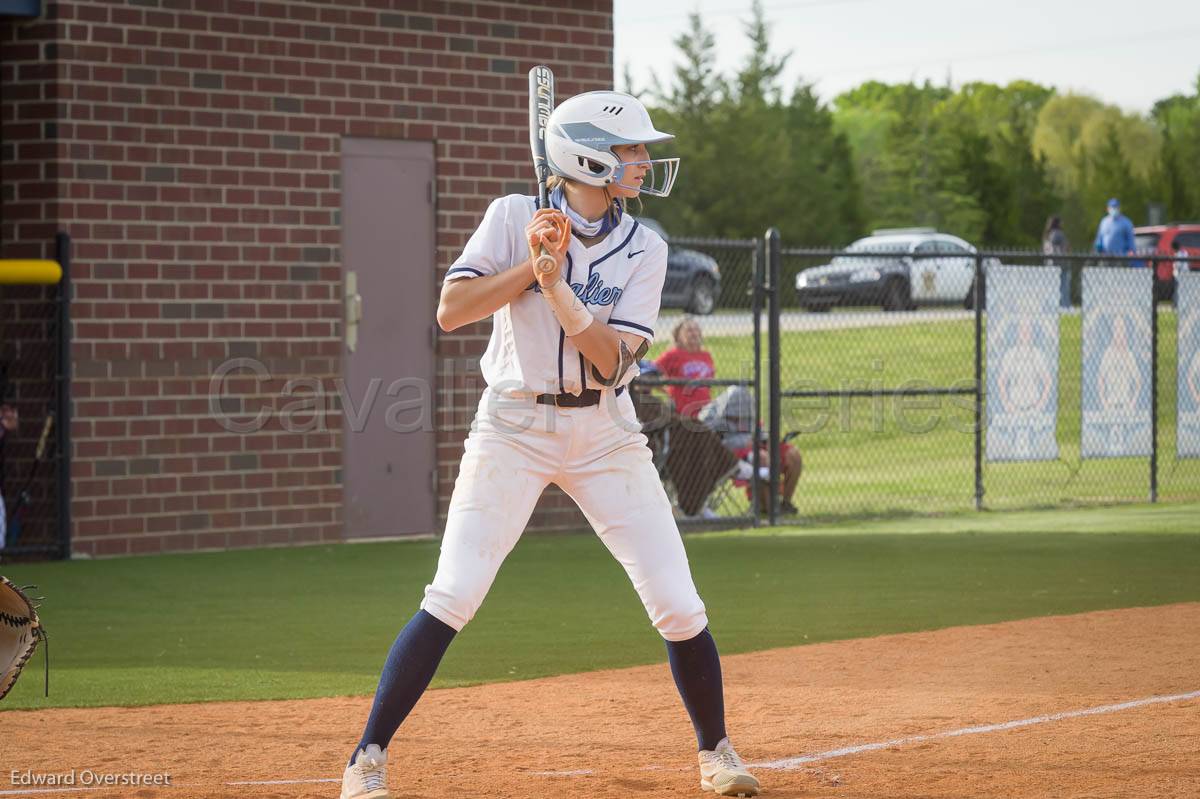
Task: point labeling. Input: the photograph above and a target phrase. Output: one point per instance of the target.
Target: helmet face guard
(657, 181)
(582, 132)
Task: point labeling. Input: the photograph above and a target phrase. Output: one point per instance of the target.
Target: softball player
(565, 343)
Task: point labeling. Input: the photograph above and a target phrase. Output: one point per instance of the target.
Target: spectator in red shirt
(687, 360)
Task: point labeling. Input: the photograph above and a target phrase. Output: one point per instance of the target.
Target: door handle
(353, 308)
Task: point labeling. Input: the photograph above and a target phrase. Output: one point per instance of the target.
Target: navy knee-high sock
(409, 667)
(697, 671)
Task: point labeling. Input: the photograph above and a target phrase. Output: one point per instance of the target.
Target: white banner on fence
(1187, 352)
(1116, 362)
(1022, 363)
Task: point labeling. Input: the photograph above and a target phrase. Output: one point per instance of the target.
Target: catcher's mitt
(20, 630)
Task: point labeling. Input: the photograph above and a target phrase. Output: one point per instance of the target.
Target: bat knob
(545, 263)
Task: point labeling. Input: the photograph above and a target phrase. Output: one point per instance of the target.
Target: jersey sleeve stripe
(640, 328)
(616, 249)
(454, 270)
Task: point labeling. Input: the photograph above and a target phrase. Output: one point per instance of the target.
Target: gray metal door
(389, 452)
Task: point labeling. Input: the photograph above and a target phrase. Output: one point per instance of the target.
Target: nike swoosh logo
(630, 255)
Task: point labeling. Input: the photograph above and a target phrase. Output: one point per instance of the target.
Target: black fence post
(62, 253)
(773, 353)
(758, 280)
(1154, 395)
(977, 301)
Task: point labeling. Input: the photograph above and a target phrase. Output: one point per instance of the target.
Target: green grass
(888, 455)
(317, 621)
(1171, 519)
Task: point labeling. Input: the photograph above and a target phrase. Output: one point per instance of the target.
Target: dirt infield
(615, 733)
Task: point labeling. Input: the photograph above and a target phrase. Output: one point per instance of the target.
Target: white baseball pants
(598, 456)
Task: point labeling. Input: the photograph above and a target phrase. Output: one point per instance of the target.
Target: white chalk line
(793, 762)
(783, 765)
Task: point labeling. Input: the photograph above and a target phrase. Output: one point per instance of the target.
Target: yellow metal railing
(29, 271)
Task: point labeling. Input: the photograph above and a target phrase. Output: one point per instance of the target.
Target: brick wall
(190, 148)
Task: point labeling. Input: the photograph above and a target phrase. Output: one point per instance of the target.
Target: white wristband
(568, 309)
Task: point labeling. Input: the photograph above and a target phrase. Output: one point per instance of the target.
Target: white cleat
(724, 773)
(367, 777)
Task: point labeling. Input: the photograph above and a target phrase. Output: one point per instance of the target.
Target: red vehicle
(1162, 240)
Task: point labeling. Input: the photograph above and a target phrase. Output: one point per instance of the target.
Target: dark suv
(1162, 240)
(693, 278)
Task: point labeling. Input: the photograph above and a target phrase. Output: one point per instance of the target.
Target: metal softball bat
(541, 104)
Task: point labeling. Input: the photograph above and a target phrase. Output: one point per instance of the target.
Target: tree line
(985, 162)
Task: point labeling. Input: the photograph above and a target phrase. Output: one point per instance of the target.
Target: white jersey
(620, 280)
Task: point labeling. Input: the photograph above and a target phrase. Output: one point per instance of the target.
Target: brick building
(221, 166)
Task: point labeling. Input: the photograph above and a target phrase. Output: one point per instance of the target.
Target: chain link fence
(877, 379)
(1102, 364)
(807, 384)
(34, 358)
(697, 396)
(914, 375)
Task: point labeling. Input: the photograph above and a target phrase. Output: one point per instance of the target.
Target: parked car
(1161, 240)
(693, 278)
(896, 269)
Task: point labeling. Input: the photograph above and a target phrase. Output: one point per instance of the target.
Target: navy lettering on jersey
(595, 292)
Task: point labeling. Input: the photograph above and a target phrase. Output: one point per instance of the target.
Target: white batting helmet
(581, 133)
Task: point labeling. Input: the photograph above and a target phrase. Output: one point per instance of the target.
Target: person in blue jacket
(1114, 236)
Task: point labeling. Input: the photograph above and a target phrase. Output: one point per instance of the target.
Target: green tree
(750, 159)
(1177, 174)
(998, 110)
(990, 127)
(920, 160)
(1058, 137)
(890, 130)
(987, 183)
(696, 85)
(687, 107)
(1093, 152)
(757, 82)
(961, 161)
(1034, 198)
(985, 161)
(1111, 174)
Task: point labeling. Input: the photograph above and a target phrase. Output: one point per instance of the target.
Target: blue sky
(1130, 54)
